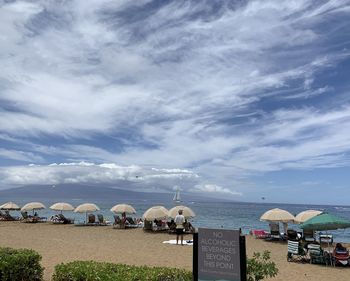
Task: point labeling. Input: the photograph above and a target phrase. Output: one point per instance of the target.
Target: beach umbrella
(61, 206)
(277, 215)
(32, 206)
(325, 221)
(155, 213)
(123, 208)
(85, 208)
(186, 212)
(10, 206)
(305, 215)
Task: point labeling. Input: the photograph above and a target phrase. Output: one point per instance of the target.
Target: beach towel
(173, 242)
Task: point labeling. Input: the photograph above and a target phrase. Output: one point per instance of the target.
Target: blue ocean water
(227, 215)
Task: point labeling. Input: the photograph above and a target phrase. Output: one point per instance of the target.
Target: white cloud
(212, 188)
(132, 177)
(222, 93)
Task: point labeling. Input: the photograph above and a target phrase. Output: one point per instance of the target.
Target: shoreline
(64, 243)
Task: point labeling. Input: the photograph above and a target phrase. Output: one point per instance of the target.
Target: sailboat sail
(177, 197)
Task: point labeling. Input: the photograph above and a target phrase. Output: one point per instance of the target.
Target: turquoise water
(227, 215)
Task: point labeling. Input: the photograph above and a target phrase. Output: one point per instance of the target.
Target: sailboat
(177, 197)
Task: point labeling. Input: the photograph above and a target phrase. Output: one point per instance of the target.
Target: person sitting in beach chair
(130, 223)
(296, 251)
(27, 218)
(91, 219)
(317, 255)
(7, 216)
(293, 235)
(39, 219)
(118, 223)
(65, 220)
(172, 226)
(101, 220)
(188, 227)
(341, 255)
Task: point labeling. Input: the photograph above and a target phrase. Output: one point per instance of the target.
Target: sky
(231, 99)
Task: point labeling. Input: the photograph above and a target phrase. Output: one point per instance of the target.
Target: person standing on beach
(179, 221)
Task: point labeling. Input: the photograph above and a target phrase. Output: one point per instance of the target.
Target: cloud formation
(226, 90)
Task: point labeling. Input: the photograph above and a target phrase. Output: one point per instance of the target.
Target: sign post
(219, 254)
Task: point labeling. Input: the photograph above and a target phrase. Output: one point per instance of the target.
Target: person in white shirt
(179, 220)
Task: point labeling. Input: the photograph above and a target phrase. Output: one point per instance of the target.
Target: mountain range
(67, 192)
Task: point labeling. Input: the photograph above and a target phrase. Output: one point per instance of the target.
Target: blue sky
(235, 99)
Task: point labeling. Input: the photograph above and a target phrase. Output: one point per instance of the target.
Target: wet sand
(64, 243)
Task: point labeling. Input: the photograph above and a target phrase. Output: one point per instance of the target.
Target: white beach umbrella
(305, 215)
(61, 206)
(123, 208)
(186, 211)
(32, 206)
(155, 212)
(277, 215)
(9, 206)
(85, 208)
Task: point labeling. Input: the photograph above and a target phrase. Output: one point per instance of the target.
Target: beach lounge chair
(7, 216)
(274, 232)
(293, 235)
(29, 219)
(260, 234)
(118, 224)
(341, 255)
(295, 251)
(130, 223)
(65, 219)
(159, 225)
(60, 218)
(317, 255)
(326, 238)
(91, 219)
(101, 220)
(309, 235)
(148, 225)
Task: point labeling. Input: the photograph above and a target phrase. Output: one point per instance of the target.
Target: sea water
(225, 215)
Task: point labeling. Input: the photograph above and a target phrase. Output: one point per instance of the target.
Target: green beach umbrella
(325, 221)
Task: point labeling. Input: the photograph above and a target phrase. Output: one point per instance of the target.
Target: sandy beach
(64, 243)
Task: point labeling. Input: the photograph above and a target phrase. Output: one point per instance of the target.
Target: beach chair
(326, 238)
(317, 255)
(118, 224)
(292, 235)
(65, 220)
(274, 232)
(91, 219)
(187, 226)
(130, 223)
(28, 219)
(7, 217)
(341, 256)
(295, 251)
(260, 234)
(309, 235)
(147, 225)
(101, 220)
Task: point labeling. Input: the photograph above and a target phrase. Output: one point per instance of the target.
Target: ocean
(226, 215)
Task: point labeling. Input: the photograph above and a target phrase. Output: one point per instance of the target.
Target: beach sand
(64, 243)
